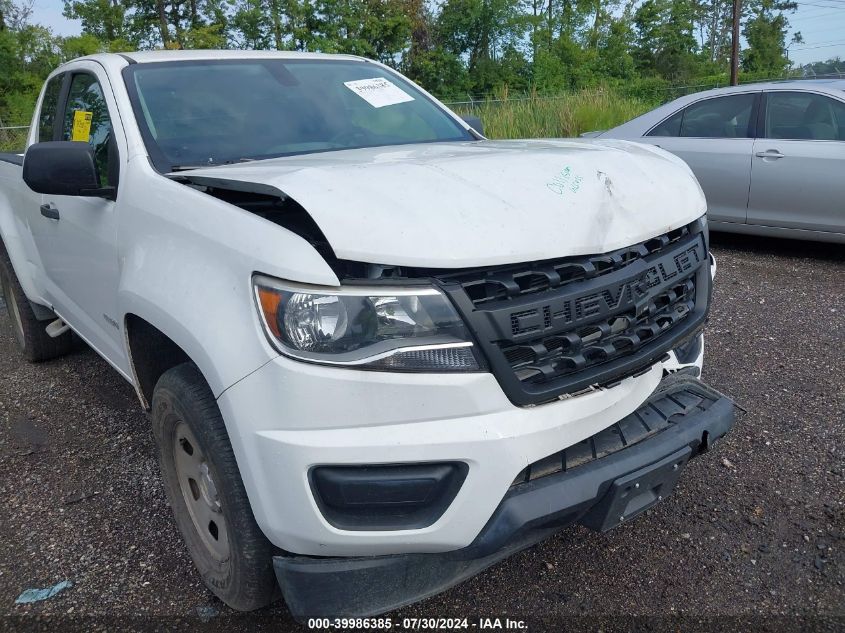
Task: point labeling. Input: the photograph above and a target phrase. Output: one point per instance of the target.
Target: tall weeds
(565, 115)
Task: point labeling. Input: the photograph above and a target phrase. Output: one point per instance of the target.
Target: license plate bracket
(636, 492)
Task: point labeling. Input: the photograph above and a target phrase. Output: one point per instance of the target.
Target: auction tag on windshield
(81, 126)
(378, 92)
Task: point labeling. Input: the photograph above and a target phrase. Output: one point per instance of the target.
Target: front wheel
(207, 494)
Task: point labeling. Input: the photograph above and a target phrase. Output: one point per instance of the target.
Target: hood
(454, 205)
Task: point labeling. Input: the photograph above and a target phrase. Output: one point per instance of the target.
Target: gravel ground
(753, 538)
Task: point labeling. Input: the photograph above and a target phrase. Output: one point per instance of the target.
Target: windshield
(203, 113)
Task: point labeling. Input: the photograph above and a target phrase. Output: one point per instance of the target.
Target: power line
(801, 18)
(814, 4)
(825, 43)
(838, 29)
(808, 13)
(809, 48)
(823, 6)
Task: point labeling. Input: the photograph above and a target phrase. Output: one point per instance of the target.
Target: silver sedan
(770, 157)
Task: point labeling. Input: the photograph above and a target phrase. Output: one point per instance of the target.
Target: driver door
(76, 235)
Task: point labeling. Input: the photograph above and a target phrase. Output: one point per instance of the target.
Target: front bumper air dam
(599, 494)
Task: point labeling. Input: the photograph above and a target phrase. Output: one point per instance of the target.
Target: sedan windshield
(203, 113)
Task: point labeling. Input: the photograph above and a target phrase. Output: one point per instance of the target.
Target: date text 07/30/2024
(416, 624)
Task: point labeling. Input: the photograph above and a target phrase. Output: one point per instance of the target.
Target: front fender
(187, 265)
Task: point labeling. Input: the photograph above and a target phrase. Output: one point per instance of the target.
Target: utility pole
(735, 45)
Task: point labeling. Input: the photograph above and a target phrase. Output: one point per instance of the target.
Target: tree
(27, 54)
(427, 61)
(766, 33)
(15, 16)
(832, 67)
(614, 52)
(103, 19)
(453, 48)
(481, 32)
(712, 19)
(252, 25)
(665, 44)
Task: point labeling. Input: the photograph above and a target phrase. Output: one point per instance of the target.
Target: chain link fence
(666, 92)
(13, 139)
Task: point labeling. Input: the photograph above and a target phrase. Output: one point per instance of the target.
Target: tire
(206, 492)
(33, 341)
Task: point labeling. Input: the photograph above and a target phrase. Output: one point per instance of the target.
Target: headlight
(393, 329)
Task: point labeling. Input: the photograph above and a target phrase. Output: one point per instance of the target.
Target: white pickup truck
(380, 352)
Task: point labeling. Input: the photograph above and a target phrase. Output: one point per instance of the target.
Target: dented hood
(451, 205)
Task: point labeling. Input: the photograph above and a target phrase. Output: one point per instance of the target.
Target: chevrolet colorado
(379, 351)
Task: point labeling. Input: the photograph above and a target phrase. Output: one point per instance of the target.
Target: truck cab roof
(152, 57)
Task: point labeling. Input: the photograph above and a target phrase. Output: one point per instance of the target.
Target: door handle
(769, 153)
(49, 211)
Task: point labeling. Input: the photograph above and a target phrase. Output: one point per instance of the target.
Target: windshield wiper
(210, 164)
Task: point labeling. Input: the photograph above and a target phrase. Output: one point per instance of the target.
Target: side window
(47, 116)
(669, 127)
(86, 118)
(720, 117)
(804, 116)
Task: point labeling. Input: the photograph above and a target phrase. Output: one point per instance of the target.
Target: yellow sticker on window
(81, 126)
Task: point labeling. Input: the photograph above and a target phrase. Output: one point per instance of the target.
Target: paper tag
(81, 126)
(378, 92)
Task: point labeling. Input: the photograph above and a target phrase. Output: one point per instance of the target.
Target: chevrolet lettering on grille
(633, 292)
(545, 335)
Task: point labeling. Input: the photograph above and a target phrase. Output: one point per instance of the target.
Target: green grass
(13, 140)
(565, 115)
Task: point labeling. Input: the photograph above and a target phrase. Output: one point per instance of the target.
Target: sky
(821, 23)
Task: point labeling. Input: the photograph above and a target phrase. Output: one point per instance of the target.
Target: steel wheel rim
(200, 492)
(14, 311)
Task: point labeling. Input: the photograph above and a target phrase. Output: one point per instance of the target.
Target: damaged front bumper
(605, 480)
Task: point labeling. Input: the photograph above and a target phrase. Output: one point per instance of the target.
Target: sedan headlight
(392, 329)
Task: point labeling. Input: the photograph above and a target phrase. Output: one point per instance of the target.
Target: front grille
(515, 281)
(547, 358)
(557, 327)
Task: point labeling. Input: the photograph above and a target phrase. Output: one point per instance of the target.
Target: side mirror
(63, 168)
(474, 122)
